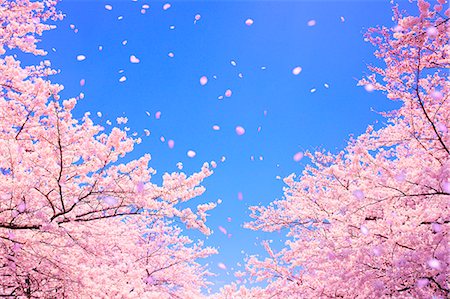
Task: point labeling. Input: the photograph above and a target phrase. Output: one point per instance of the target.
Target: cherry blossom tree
(75, 220)
(372, 221)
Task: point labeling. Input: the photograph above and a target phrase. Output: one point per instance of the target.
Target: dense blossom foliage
(373, 220)
(75, 222)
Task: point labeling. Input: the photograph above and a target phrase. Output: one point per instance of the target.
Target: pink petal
(166, 6)
(358, 194)
(223, 230)
(108, 7)
(311, 23)
(158, 115)
(432, 31)
(369, 87)
(298, 156)
(81, 57)
(171, 143)
(191, 154)
(240, 196)
(82, 82)
(228, 93)
(216, 128)
(296, 70)
(203, 80)
(434, 263)
(364, 230)
(422, 282)
(240, 130)
(134, 59)
(249, 22)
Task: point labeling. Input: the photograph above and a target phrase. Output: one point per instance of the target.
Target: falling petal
(432, 31)
(219, 201)
(124, 42)
(82, 82)
(240, 130)
(313, 90)
(437, 95)
(140, 187)
(191, 154)
(228, 93)
(369, 87)
(162, 139)
(134, 59)
(223, 230)
(326, 85)
(364, 230)
(216, 128)
(297, 70)
(203, 80)
(171, 143)
(311, 23)
(434, 264)
(180, 165)
(158, 115)
(81, 57)
(298, 156)
(197, 17)
(145, 6)
(108, 7)
(422, 282)
(240, 196)
(233, 63)
(110, 200)
(436, 227)
(171, 55)
(342, 19)
(122, 79)
(99, 114)
(358, 194)
(222, 266)
(166, 6)
(249, 22)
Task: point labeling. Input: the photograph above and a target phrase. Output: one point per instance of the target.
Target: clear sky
(301, 112)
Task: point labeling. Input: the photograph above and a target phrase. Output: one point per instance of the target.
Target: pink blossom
(240, 130)
(296, 70)
(249, 22)
(203, 80)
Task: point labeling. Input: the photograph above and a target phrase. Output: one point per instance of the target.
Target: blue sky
(332, 52)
